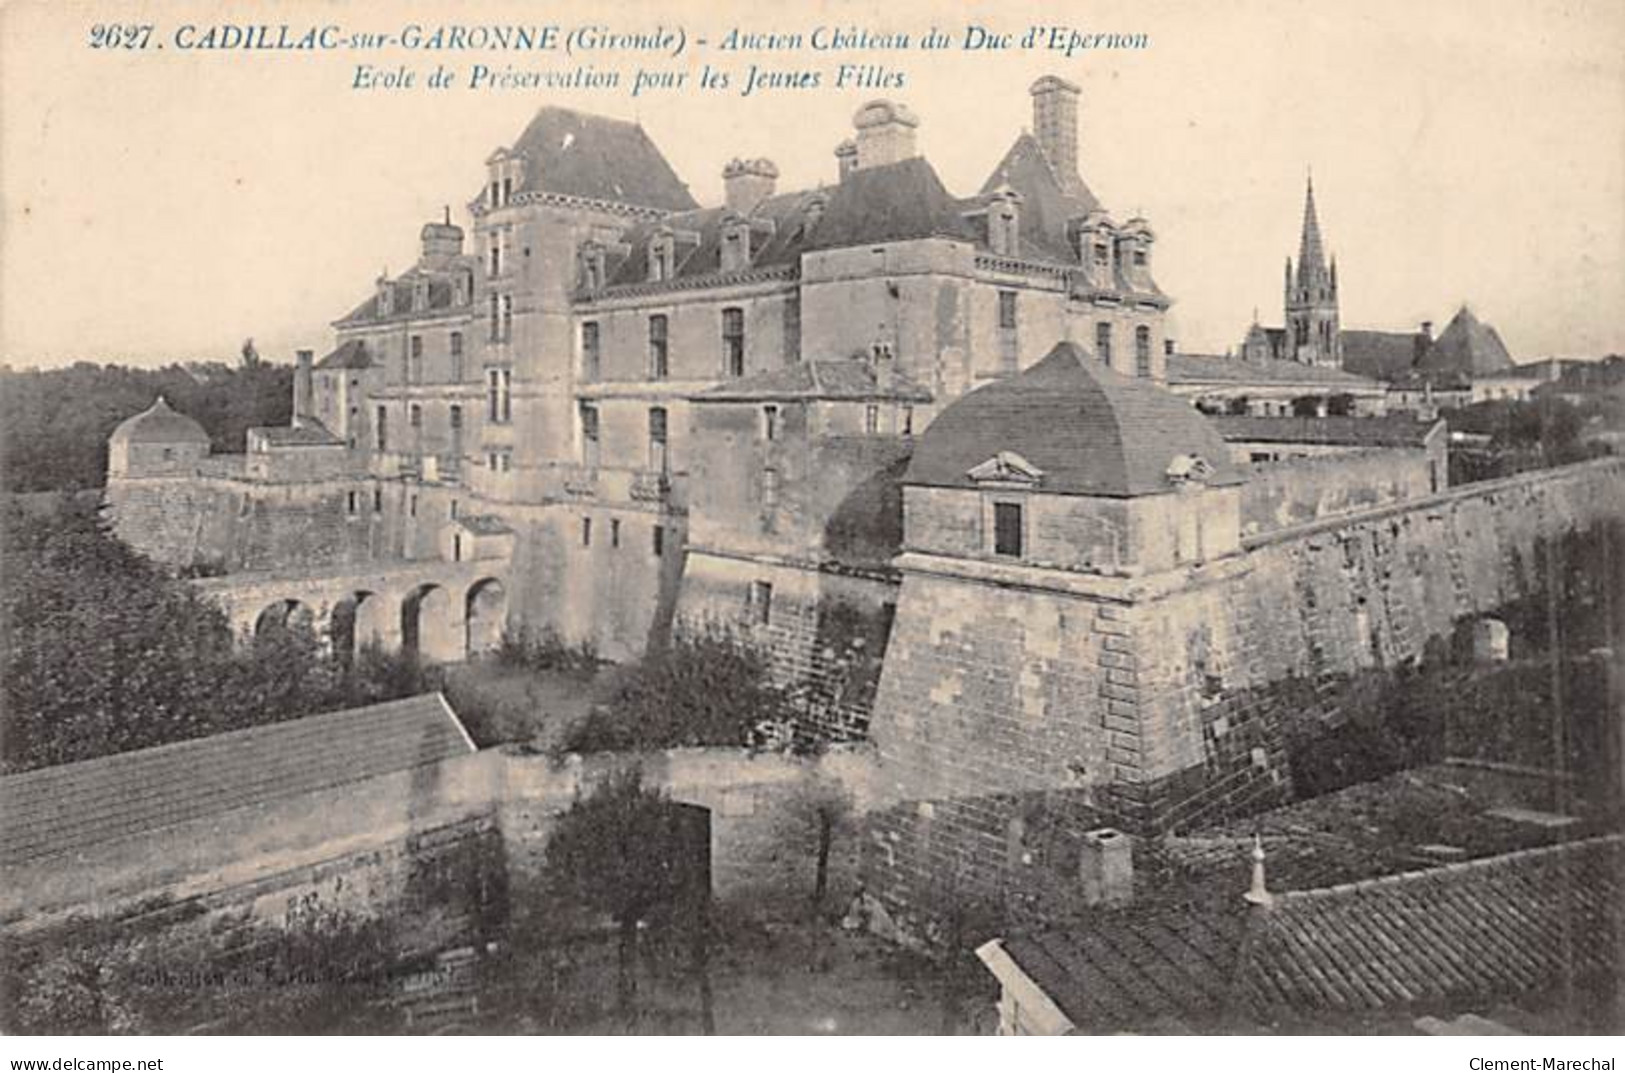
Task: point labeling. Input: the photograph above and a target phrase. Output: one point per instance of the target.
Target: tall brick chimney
(442, 243)
(303, 385)
(885, 133)
(748, 183)
(1055, 123)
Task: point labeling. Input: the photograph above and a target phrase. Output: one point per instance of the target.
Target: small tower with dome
(157, 442)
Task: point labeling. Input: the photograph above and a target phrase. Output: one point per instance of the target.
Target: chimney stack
(1259, 893)
(302, 385)
(442, 243)
(748, 183)
(1427, 330)
(1055, 123)
(1106, 867)
(846, 159)
(885, 133)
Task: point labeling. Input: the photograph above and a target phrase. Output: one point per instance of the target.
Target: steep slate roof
(441, 299)
(159, 423)
(1381, 355)
(836, 380)
(1090, 430)
(58, 810)
(1048, 200)
(349, 355)
(583, 155)
(1205, 369)
(1457, 934)
(1394, 430)
(1467, 347)
(886, 203)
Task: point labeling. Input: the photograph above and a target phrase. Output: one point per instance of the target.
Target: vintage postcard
(842, 518)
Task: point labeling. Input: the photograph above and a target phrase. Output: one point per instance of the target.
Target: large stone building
(920, 446)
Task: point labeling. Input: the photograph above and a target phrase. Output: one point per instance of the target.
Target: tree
(704, 688)
(613, 852)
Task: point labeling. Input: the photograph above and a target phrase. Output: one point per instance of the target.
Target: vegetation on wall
(1526, 434)
(102, 652)
(54, 423)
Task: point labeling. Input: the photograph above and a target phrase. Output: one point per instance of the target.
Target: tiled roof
(351, 354)
(1381, 355)
(1486, 928)
(159, 423)
(440, 299)
(582, 155)
(1467, 347)
(1394, 430)
(308, 432)
(484, 524)
(1205, 369)
(1048, 201)
(889, 203)
(1456, 934)
(1090, 430)
(58, 810)
(850, 379)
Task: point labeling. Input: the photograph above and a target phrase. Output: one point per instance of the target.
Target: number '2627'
(120, 35)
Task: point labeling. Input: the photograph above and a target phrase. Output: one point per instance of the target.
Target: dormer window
(420, 293)
(386, 298)
(1139, 258)
(1103, 254)
(462, 285)
(593, 275)
(735, 245)
(662, 257)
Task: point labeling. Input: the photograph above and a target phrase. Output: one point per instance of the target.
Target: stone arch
(485, 613)
(430, 626)
(284, 616)
(360, 619)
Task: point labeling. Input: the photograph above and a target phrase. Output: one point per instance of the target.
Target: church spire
(1311, 252)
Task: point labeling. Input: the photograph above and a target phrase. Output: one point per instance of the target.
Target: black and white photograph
(835, 519)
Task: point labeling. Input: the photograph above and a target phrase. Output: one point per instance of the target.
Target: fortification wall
(1162, 702)
(1296, 491)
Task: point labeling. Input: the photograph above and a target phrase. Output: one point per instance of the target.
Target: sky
(165, 204)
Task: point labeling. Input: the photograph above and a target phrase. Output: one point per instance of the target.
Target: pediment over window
(1192, 468)
(1006, 467)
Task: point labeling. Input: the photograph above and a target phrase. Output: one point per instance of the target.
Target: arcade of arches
(439, 621)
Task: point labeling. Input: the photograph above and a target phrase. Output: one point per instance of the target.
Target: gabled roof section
(304, 432)
(351, 354)
(582, 155)
(1381, 355)
(889, 203)
(848, 380)
(1047, 202)
(59, 810)
(1090, 430)
(441, 297)
(1467, 347)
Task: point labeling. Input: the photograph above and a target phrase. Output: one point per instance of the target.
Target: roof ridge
(1478, 864)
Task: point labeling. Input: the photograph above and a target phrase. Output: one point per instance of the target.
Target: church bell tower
(1313, 336)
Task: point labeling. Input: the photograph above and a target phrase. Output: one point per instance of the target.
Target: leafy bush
(703, 688)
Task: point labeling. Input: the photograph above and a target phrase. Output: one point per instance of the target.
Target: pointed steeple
(1311, 252)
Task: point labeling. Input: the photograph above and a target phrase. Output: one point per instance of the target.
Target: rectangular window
(1007, 529)
(589, 433)
(496, 317)
(507, 190)
(614, 532)
(451, 511)
(658, 537)
(378, 501)
(586, 532)
(507, 317)
(412, 506)
(770, 422)
(1103, 342)
(733, 342)
(415, 416)
(496, 254)
(383, 428)
(352, 503)
(456, 357)
(659, 364)
(759, 603)
(507, 396)
(1142, 352)
(659, 458)
(871, 419)
(770, 489)
(908, 421)
(589, 350)
(1007, 309)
